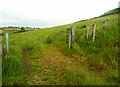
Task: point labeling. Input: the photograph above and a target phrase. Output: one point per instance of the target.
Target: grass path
(51, 66)
(45, 63)
(27, 62)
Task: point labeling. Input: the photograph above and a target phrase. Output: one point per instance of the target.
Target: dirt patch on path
(50, 66)
(27, 61)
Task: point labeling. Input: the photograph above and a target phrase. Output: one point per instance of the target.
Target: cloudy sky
(48, 13)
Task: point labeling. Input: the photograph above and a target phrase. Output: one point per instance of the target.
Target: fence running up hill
(70, 34)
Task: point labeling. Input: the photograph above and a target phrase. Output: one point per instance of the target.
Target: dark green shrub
(22, 29)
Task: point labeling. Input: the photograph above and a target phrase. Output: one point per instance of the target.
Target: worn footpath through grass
(38, 56)
(50, 67)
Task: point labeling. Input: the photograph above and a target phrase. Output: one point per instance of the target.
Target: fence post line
(7, 43)
(67, 35)
(93, 32)
(73, 33)
(88, 30)
(69, 39)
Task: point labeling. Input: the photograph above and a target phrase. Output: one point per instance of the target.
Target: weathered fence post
(88, 31)
(69, 40)
(72, 35)
(67, 35)
(93, 32)
(7, 47)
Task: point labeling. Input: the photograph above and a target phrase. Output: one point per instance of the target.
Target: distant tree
(22, 29)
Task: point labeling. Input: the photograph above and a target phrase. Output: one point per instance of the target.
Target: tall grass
(101, 55)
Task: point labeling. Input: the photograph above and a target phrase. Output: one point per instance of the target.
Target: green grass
(10, 30)
(0, 31)
(48, 46)
(114, 11)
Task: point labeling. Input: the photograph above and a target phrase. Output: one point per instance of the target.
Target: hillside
(111, 12)
(42, 57)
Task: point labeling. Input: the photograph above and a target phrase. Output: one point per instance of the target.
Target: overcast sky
(48, 13)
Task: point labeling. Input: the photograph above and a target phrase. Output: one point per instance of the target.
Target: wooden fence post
(67, 35)
(88, 31)
(70, 40)
(93, 32)
(72, 35)
(7, 44)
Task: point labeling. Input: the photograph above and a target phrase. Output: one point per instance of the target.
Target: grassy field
(114, 11)
(42, 57)
(14, 30)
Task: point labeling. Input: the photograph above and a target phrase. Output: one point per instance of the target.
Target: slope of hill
(42, 57)
(114, 11)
